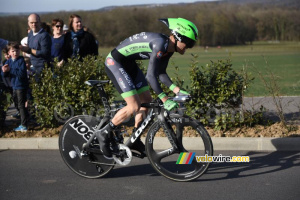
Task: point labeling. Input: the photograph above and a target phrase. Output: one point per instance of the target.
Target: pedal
(123, 158)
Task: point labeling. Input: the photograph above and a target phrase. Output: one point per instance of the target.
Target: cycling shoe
(104, 137)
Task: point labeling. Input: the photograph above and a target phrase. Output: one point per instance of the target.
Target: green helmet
(183, 30)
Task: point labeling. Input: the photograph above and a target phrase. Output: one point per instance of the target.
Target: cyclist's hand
(183, 93)
(169, 105)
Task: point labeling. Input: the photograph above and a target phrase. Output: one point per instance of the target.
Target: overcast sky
(16, 6)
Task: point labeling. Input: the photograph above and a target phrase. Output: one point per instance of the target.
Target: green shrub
(217, 92)
(5, 102)
(61, 93)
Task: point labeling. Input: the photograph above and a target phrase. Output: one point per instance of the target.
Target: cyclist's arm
(157, 71)
(152, 77)
(164, 77)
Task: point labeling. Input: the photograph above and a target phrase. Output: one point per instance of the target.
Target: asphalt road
(41, 174)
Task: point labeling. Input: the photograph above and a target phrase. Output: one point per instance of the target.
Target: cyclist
(131, 83)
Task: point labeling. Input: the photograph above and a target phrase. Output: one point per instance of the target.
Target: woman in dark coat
(78, 42)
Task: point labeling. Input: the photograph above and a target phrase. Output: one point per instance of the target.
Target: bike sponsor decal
(127, 77)
(159, 54)
(143, 56)
(152, 133)
(142, 127)
(81, 128)
(139, 84)
(166, 46)
(177, 120)
(137, 36)
(166, 130)
(122, 82)
(135, 48)
(185, 28)
(110, 61)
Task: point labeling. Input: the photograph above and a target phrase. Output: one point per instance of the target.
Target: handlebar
(158, 103)
(181, 99)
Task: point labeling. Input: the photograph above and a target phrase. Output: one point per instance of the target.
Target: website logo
(185, 158)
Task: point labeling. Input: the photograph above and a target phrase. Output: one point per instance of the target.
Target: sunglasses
(58, 26)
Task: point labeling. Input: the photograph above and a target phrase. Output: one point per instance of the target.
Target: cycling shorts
(126, 76)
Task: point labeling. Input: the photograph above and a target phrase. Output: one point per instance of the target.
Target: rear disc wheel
(76, 132)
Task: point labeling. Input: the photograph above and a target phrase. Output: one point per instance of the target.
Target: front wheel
(76, 132)
(180, 165)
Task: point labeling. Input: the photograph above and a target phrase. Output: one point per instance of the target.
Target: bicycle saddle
(95, 82)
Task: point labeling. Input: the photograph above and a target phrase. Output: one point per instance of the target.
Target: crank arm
(99, 163)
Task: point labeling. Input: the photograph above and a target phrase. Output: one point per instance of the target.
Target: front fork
(174, 139)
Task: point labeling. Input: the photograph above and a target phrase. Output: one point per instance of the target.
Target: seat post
(104, 98)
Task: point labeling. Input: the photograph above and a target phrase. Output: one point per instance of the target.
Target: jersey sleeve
(158, 63)
(163, 76)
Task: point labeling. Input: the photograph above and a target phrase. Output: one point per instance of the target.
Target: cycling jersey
(125, 73)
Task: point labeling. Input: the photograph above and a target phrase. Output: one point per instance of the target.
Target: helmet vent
(195, 33)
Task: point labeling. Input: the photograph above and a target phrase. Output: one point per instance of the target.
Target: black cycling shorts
(127, 77)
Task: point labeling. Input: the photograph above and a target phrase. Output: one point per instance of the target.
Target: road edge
(249, 144)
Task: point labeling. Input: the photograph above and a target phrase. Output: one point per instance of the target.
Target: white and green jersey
(142, 46)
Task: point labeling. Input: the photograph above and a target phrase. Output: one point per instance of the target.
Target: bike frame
(156, 109)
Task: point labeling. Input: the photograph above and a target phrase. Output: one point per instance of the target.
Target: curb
(238, 144)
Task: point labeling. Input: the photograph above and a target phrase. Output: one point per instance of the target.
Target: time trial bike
(175, 158)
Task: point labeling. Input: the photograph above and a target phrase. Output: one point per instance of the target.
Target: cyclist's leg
(145, 97)
(132, 107)
(142, 88)
(124, 85)
(138, 145)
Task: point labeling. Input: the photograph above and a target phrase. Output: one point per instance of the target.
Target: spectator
(39, 44)
(5, 54)
(57, 39)
(30, 70)
(15, 67)
(77, 41)
(3, 44)
(65, 29)
(24, 42)
(5, 80)
(46, 27)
